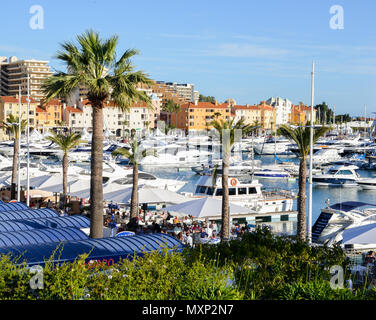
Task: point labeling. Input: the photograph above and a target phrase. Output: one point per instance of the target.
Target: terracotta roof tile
(11, 99)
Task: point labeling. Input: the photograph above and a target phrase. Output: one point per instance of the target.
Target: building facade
(282, 109)
(14, 72)
(49, 115)
(10, 105)
(139, 117)
(197, 116)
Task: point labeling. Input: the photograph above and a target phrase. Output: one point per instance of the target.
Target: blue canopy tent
(12, 206)
(28, 214)
(35, 236)
(109, 250)
(76, 221)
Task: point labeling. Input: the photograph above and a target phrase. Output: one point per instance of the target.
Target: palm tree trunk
(65, 177)
(225, 197)
(301, 228)
(96, 186)
(14, 170)
(134, 198)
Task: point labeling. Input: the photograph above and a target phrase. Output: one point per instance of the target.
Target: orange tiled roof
(40, 110)
(72, 109)
(205, 105)
(11, 99)
(254, 107)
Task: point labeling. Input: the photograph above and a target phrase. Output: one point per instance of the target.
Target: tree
(323, 112)
(171, 107)
(301, 136)
(93, 64)
(11, 124)
(202, 98)
(227, 131)
(135, 154)
(65, 142)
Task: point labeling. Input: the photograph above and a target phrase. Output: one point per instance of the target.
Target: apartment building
(14, 72)
(49, 115)
(297, 116)
(186, 90)
(250, 114)
(10, 105)
(139, 117)
(282, 109)
(260, 114)
(197, 116)
(307, 112)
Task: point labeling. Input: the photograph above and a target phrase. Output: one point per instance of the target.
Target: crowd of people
(185, 228)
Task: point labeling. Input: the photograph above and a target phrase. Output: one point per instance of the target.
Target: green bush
(259, 266)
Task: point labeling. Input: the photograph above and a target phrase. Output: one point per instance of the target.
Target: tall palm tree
(135, 154)
(93, 64)
(301, 136)
(227, 131)
(66, 142)
(11, 124)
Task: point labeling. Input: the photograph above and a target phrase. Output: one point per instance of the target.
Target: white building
(186, 90)
(282, 109)
(139, 117)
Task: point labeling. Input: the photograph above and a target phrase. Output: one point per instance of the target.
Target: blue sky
(242, 49)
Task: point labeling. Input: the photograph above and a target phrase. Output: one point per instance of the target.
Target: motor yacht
(325, 156)
(338, 175)
(177, 156)
(338, 221)
(272, 146)
(367, 183)
(247, 193)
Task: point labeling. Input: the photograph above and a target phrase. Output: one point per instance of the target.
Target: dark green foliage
(259, 266)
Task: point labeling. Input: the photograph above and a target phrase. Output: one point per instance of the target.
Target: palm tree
(135, 154)
(301, 136)
(66, 142)
(93, 64)
(12, 126)
(227, 132)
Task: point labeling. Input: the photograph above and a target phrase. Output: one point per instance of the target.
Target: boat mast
(27, 138)
(309, 227)
(19, 147)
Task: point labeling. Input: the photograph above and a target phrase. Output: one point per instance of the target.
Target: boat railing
(278, 193)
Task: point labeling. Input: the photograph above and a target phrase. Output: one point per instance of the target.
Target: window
(232, 191)
(346, 172)
(219, 192)
(242, 191)
(210, 191)
(252, 191)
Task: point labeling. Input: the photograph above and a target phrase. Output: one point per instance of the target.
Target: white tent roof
(146, 194)
(205, 207)
(365, 234)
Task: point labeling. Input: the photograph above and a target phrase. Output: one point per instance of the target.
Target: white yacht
(345, 176)
(336, 223)
(325, 156)
(246, 193)
(367, 183)
(177, 156)
(272, 146)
